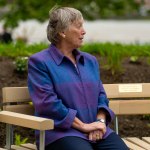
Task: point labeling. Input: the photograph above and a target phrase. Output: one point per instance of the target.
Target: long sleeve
(44, 97)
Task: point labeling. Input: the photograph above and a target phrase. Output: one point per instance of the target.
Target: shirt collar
(58, 56)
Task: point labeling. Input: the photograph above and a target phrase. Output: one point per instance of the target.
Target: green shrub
(21, 64)
(114, 53)
(146, 117)
(18, 140)
(134, 59)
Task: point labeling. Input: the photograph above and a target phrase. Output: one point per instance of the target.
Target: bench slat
(134, 107)
(26, 120)
(146, 139)
(132, 146)
(130, 107)
(23, 109)
(139, 142)
(15, 94)
(30, 146)
(114, 105)
(16, 147)
(112, 90)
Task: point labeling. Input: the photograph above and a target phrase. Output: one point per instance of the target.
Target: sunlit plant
(21, 64)
(18, 140)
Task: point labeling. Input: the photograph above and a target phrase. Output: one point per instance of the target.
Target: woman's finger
(91, 136)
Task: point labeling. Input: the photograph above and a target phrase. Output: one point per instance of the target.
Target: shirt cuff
(66, 123)
(109, 114)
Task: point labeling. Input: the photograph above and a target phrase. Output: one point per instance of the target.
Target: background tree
(15, 10)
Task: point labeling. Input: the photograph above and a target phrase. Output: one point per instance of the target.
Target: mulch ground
(138, 72)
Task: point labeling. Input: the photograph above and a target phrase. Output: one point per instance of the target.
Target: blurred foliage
(19, 141)
(3, 2)
(16, 10)
(113, 53)
(146, 117)
(21, 64)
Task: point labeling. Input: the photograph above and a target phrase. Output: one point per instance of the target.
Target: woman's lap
(70, 143)
(112, 142)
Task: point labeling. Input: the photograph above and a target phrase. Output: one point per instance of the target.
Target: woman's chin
(80, 44)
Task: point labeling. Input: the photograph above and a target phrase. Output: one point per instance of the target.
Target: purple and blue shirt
(62, 91)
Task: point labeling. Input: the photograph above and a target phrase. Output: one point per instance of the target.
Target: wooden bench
(18, 110)
(125, 99)
(130, 99)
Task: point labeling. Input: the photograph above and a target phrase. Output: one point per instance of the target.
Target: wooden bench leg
(42, 140)
(9, 136)
(116, 125)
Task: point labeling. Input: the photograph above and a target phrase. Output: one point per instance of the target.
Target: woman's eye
(79, 25)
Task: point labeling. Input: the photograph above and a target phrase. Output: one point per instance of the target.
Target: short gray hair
(59, 20)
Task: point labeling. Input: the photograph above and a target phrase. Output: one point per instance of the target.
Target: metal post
(42, 140)
(9, 136)
(116, 125)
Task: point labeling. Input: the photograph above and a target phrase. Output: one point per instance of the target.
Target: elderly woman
(64, 84)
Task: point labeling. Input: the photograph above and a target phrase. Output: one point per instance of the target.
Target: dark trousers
(112, 142)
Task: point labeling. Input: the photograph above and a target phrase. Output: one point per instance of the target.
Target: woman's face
(74, 34)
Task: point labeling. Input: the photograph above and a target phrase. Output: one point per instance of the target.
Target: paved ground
(101, 30)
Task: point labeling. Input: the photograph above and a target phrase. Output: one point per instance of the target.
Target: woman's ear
(62, 34)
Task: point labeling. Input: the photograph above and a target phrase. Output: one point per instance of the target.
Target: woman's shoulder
(41, 55)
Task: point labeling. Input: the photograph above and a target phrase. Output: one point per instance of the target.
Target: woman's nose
(83, 31)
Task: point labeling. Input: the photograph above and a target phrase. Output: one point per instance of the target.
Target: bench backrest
(17, 99)
(129, 99)
(125, 99)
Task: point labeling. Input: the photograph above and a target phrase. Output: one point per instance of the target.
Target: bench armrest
(26, 120)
